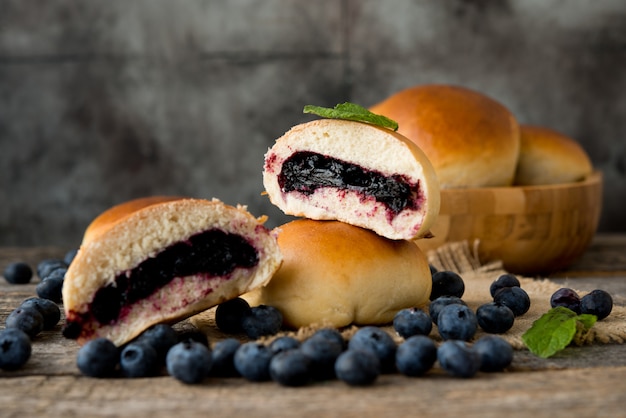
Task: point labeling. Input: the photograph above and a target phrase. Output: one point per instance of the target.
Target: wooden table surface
(578, 382)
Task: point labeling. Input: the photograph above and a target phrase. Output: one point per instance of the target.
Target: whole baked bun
(354, 172)
(336, 274)
(471, 139)
(550, 157)
(160, 260)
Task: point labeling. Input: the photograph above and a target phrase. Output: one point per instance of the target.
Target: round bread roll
(336, 274)
(162, 259)
(549, 157)
(470, 139)
(354, 172)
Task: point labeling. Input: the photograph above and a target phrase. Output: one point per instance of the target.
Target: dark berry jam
(306, 171)
(211, 253)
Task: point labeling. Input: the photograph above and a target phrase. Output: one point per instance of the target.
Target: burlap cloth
(459, 257)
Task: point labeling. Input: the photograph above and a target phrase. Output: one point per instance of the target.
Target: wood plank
(561, 393)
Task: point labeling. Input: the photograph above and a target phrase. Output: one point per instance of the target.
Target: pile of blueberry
(325, 355)
(35, 314)
(186, 355)
(255, 353)
(236, 316)
(598, 302)
(51, 273)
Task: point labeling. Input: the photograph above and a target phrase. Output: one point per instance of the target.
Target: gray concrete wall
(103, 101)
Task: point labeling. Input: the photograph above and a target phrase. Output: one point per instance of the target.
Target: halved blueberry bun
(163, 259)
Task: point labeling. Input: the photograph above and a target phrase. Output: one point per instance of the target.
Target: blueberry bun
(163, 259)
(336, 274)
(353, 172)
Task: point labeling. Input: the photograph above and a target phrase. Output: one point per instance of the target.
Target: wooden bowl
(533, 230)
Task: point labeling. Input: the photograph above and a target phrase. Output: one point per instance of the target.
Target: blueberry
(51, 286)
(48, 309)
(515, 298)
(262, 320)
(377, 341)
(412, 321)
(69, 256)
(436, 305)
(194, 335)
(290, 368)
(229, 315)
(495, 318)
(283, 343)
(56, 273)
(357, 367)
(252, 361)
(161, 337)
(223, 354)
(457, 322)
(416, 355)
(496, 353)
(505, 280)
(567, 298)
(447, 283)
(323, 352)
(98, 358)
(139, 360)
(597, 302)
(458, 359)
(29, 320)
(332, 334)
(15, 348)
(45, 267)
(18, 273)
(189, 361)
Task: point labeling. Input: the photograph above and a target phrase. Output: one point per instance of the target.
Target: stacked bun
(364, 193)
(338, 274)
(474, 141)
(354, 172)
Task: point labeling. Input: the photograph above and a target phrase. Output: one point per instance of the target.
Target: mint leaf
(555, 330)
(351, 111)
(583, 325)
(587, 320)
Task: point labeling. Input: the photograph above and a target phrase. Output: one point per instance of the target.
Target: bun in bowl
(470, 139)
(549, 157)
(335, 274)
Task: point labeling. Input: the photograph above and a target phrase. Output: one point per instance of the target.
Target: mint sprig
(351, 111)
(555, 330)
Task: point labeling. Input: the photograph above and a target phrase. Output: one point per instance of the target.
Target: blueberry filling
(211, 253)
(306, 171)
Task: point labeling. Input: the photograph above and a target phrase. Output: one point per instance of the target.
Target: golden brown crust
(337, 274)
(550, 157)
(118, 212)
(122, 238)
(471, 139)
